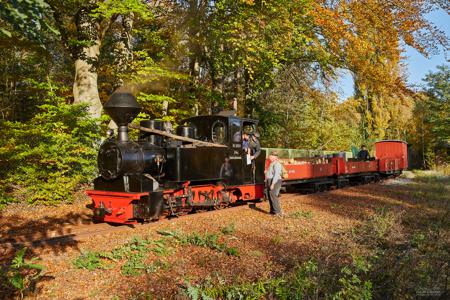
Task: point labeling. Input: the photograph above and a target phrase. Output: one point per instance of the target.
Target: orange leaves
(365, 37)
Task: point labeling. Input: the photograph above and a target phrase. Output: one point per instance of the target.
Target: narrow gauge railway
(66, 234)
(71, 233)
(203, 166)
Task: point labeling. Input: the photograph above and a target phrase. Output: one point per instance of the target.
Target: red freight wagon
(392, 156)
(319, 173)
(309, 170)
(354, 167)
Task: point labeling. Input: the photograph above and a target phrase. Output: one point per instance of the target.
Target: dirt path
(317, 226)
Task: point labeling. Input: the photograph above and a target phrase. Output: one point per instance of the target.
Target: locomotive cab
(210, 162)
(206, 164)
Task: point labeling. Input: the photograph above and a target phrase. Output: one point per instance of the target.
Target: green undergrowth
(409, 244)
(45, 159)
(131, 257)
(206, 240)
(399, 251)
(301, 214)
(228, 229)
(21, 275)
(310, 280)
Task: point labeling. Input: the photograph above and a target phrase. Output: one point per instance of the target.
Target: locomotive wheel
(220, 206)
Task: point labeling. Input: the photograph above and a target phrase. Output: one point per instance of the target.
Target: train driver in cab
(255, 146)
(251, 145)
(363, 154)
(245, 143)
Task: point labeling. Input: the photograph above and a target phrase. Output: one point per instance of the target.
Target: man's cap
(274, 153)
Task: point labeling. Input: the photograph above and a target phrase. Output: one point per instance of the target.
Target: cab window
(218, 134)
(248, 127)
(235, 131)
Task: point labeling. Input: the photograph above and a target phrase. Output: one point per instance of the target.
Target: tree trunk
(85, 88)
(239, 92)
(124, 52)
(123, 48)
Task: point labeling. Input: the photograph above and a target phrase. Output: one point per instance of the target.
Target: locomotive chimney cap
(122, 108)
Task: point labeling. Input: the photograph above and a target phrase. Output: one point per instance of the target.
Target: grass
(206, 240)
(131, 256)
(396, 248)
(232, 251)
(256, 253)
(302, 215)
(384, 226)
(408, 244)
(229, 229)
(308, 280)
(401, 251)
(277, 240)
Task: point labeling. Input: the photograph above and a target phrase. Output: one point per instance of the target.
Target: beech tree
(84, 26)
(365, 37)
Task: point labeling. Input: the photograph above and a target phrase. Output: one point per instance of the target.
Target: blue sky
(417, 65)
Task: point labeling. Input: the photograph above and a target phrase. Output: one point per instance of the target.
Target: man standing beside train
(273, 183)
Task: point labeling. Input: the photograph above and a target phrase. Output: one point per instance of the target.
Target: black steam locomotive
(202, 166)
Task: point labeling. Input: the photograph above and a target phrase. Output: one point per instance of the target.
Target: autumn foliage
(278, 59)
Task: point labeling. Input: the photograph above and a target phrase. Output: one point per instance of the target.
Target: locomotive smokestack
(122, 108)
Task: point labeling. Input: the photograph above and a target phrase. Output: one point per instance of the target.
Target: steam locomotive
(204, 166)
(201, 167)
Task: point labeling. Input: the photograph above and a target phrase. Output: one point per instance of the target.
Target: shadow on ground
(272, 251)
(35, 235)
(18, 232)
(421, 204)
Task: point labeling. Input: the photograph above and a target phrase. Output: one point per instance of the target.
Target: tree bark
(85, 89)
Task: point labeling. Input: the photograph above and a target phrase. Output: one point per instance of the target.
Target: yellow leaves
(249, 2)
(362, 34)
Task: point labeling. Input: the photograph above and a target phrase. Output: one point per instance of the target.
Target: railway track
(74, 233)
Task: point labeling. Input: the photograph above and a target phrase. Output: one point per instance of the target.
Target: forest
(279, 60)
(361, 234)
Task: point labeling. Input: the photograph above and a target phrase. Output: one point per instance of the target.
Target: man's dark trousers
(274, 202)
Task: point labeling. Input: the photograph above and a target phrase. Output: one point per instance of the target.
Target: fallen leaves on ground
(315, 226)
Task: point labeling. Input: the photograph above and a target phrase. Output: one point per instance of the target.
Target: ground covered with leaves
(387, 240)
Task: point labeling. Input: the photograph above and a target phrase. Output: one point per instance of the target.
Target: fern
(22, 274)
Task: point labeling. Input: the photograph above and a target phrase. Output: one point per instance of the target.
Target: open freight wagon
(320, 170)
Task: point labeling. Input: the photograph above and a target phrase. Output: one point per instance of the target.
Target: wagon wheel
(222, 200)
